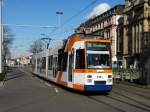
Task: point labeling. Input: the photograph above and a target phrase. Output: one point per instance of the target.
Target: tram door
(71, 64)
(54, 67)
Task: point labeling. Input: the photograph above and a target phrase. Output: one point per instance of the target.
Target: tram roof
(87, 36)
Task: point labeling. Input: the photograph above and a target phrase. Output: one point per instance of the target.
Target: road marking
(35, 77)
(1, 84)
(56, 90)
(49, 85)
(24, 71)
(41, 80)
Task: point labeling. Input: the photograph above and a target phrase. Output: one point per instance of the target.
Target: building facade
(120, 40)
(136, 35)
(136, 28)
(104, 25)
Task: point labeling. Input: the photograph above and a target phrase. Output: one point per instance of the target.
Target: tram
(82, 63)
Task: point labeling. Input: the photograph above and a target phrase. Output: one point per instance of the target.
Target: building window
(108, 34)
(109, 21)
(146, 39)
(99, 26)
(103, 24)
(93, 29)
(106, 22)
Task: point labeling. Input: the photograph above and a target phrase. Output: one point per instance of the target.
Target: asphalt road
(23, 92)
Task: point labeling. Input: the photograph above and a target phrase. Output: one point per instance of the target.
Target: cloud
(99, 9)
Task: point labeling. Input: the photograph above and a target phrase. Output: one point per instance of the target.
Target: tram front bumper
(98, 87)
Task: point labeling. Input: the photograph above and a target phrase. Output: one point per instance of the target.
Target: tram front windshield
(98, 55)
(98, 61)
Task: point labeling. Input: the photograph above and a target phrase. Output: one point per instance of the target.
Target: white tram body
(80, 63)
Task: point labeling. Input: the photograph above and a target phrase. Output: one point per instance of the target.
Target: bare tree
(7, 42)
(36, 47)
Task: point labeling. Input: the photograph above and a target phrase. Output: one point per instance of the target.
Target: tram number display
(99, 77)
(96, 46)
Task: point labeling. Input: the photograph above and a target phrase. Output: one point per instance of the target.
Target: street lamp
(1, 36)
(47, 40)
(59, 17)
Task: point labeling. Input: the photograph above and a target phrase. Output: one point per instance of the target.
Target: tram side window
(50, 62)
(80, 59)
(33, 62)
(44, 62)
(65, 58)
(60, 56)
(39, 63)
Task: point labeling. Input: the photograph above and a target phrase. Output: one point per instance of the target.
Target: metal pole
(47, 40)
(47, 52)
(35, 70)
(1, 36)
(59, 19)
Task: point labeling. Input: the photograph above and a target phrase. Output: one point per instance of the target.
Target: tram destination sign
(97, 46)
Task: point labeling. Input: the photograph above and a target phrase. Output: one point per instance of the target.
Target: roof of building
(118, 9)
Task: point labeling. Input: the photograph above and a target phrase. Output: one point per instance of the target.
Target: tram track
(124, 99)
(107, 103)
(130, 104)
(133, 92)
(120, 101)
(136, 86)
(136, 101)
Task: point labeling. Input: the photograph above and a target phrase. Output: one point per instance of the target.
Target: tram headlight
(109, 80)
(89, 76)
(109, 76)
(89, 80)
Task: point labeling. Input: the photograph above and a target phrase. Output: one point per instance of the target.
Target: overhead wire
(74, 16)
(55, 27)
(78, 13)
(29, 25)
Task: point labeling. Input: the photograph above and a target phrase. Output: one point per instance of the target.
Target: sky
(43, 13)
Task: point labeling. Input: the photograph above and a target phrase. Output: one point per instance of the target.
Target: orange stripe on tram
(91, 71)
(78, 87)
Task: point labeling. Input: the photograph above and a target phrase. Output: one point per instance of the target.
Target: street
(24, 92)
